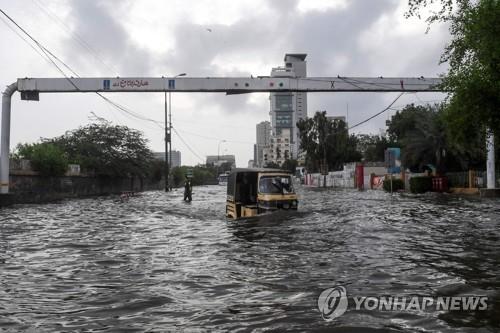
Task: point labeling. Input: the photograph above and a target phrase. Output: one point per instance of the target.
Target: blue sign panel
(393, 160)
(106, 84)
(171, 84)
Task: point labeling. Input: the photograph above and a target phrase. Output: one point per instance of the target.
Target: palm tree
(426, 143)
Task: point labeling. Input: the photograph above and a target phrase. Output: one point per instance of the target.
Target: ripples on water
(155, 263)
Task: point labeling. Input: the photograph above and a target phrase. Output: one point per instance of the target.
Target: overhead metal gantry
(229, 85)
(30, 88)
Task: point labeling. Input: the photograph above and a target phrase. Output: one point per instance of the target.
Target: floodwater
(155, 264)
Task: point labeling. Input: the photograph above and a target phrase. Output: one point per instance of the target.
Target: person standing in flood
(188, 190)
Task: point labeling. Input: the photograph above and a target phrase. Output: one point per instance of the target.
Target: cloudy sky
(210, 38)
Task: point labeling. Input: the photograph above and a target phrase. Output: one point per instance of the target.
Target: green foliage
(327, 140)
(226, 166)
(425, 137)
(46, 158)
(156, 170)
(473, 55)
(204, 176)
(272, 165)
(201, 175)
(372, 147)
(404, 121)
(444, 13)
(420, 184)
(107, 150)
(24, 151)
(178, 174)
(289, 165)
(397, 185)
(474, 58)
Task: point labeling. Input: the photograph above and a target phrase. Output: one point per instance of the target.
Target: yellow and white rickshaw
(251, 192)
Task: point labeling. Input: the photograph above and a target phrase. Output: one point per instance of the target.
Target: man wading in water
(188, 190)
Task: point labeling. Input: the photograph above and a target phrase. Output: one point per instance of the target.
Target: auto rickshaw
(251, 192)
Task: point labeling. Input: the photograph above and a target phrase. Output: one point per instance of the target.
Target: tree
(224, 167)
(272, 165)
(473, 54)
(203, 175)
(403, 122)
(373, 147)
(46, 158)
(426, 143)
(326, 140)
(423, 134)
(107, 150)
(156, 170)
(178, 175)
(289, 165)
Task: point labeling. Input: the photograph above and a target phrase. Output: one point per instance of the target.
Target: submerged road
(154, 263)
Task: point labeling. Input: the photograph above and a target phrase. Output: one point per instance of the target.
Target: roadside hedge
(420, 184)
(397, 184)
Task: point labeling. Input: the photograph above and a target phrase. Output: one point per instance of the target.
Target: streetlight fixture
(218, 153)
(218, 148)
(168, 135)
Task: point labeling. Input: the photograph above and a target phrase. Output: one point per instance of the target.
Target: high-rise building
(263, 139)
(280, 148)
(218, 160)
(176, 157)
(288, 108)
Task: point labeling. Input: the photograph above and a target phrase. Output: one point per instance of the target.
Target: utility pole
(168, 135)
(168, 128)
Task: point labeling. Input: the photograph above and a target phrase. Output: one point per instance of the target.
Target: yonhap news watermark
(334, 302)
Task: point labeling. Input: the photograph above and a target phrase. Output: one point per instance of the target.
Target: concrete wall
(345, 178)
(35, 189)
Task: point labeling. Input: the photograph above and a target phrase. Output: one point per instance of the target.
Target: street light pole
(218, 153)
(168, 136)
(218, 148)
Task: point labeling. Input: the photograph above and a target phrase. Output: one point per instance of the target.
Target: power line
(49, 54)
(42, 48)
(76, 37)
(351, 80)
(377, 114)
(24, 39)
(187, 145)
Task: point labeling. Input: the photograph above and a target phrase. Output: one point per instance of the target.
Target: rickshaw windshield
(275, 185)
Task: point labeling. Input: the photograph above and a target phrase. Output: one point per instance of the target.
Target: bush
(48, 159)
(420, 184)
(156, 170)
(397, 185)
(201, 175)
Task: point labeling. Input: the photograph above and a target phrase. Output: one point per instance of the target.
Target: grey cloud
(93, 21)
(324, 35)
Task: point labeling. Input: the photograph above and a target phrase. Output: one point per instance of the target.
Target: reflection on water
(156, 263)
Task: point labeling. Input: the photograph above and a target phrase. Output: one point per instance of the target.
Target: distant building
(176, 157)
(263, 139)
(218, 160)
(337, 118)
(288, 108)
(251, 164)
(280, 148)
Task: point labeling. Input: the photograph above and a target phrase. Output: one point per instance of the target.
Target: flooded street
(154, 263)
